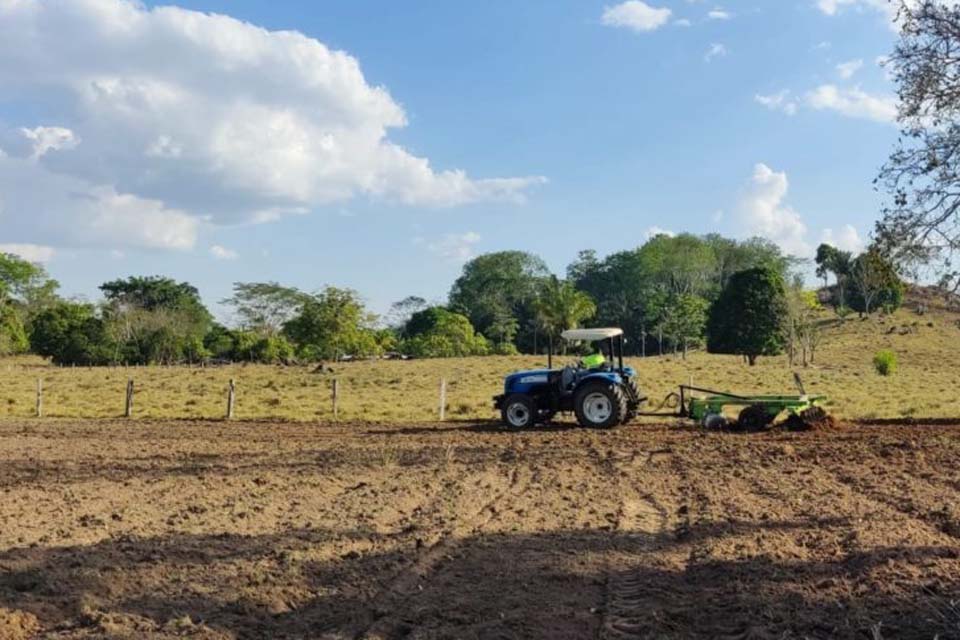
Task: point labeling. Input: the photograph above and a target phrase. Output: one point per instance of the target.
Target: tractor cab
(598, 388)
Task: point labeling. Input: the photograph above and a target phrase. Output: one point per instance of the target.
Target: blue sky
(200, 147)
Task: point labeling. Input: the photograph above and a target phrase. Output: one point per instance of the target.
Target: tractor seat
(567, 378)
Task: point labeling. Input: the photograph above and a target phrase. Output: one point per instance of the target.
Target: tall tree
(876, 284)
(264, 307)
(749, 318)
(832, 260)
(495, 283)
(331, 324)
(921, 226)
(685, 321)
(560, 306)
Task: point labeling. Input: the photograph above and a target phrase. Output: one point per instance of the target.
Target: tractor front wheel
(519, 411)
(599, 405)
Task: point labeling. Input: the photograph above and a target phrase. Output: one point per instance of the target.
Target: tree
(922, 224)
(264, 307)
(832, 260)
(749, 318)
(71, 333)
(876, 284)
(495, 283)
(331, 324)
(155, 319)
(804, 324)
(685, 320)
(401, 310)
(437, 332)
(560, 306)
(25, 290)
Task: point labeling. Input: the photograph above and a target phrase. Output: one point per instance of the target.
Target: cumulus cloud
(764, 213)
(846, 70)
(635, 15)
(172, 118)
(719, 14)
(854, 103)
(846, 238)
(29, 252)
(456, 247)
(781, 101)
(222, 253)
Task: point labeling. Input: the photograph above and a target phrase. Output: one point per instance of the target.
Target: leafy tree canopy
(749, 318)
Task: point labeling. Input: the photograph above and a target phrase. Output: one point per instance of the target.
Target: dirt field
(210, 530)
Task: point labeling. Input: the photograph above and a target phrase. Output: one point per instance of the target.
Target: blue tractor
(599, 389)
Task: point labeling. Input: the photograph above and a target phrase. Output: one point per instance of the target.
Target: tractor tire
(633, 408)
(753, 418)
(519, 411)
(599, 405)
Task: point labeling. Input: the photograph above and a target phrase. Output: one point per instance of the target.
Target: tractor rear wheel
(519, 411)
(754, 418)
(599, 405)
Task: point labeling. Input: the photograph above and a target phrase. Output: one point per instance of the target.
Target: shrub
(885, 362)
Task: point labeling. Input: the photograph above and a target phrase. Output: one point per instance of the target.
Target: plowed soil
(214, 530)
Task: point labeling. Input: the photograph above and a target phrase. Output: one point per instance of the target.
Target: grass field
(925, 385)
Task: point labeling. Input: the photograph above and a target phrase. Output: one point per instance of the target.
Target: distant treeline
(661, 293)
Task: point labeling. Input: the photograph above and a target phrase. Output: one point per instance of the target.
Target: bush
(885, 362)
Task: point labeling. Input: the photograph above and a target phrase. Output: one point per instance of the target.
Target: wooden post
(443, 399)
(128, 408)
(39, 397)
(335, 396)
(231, 398)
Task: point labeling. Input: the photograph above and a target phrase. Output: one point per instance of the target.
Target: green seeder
(753, 413)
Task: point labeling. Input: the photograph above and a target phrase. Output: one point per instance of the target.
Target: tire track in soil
(640, 521)
(383, 615)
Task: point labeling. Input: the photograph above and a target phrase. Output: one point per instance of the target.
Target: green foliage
(885, 362)
(13, 335)
(71, 333)
(874, 284)
(560, 306)
(440, 333)
(264, 307)
(685, 320)
(634, 289)
(496, 292)
(331, 324)
(749, 318)
(831, 260)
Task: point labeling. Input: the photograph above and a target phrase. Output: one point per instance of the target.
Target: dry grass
(925, 386)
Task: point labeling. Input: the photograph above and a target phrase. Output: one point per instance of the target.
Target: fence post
(335, 396)
(231, 398)
(443, 399)
(128, 408)
(39, 397)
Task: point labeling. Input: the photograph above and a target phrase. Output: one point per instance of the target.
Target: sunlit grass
(925, 384)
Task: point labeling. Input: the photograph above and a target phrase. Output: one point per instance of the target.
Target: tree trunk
(752, 359)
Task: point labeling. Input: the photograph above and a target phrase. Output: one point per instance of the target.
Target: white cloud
(204, 118)
(222, 253)
(781, 101)
(846, 70)
(635, 15)
(454, 247)
(29, 252)
(715, 51)
(854, 103)
(846, 238)
(45, 139)
(719, 14)
(682, 22)
(655, 231)
(764, 213)
(886, 8)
